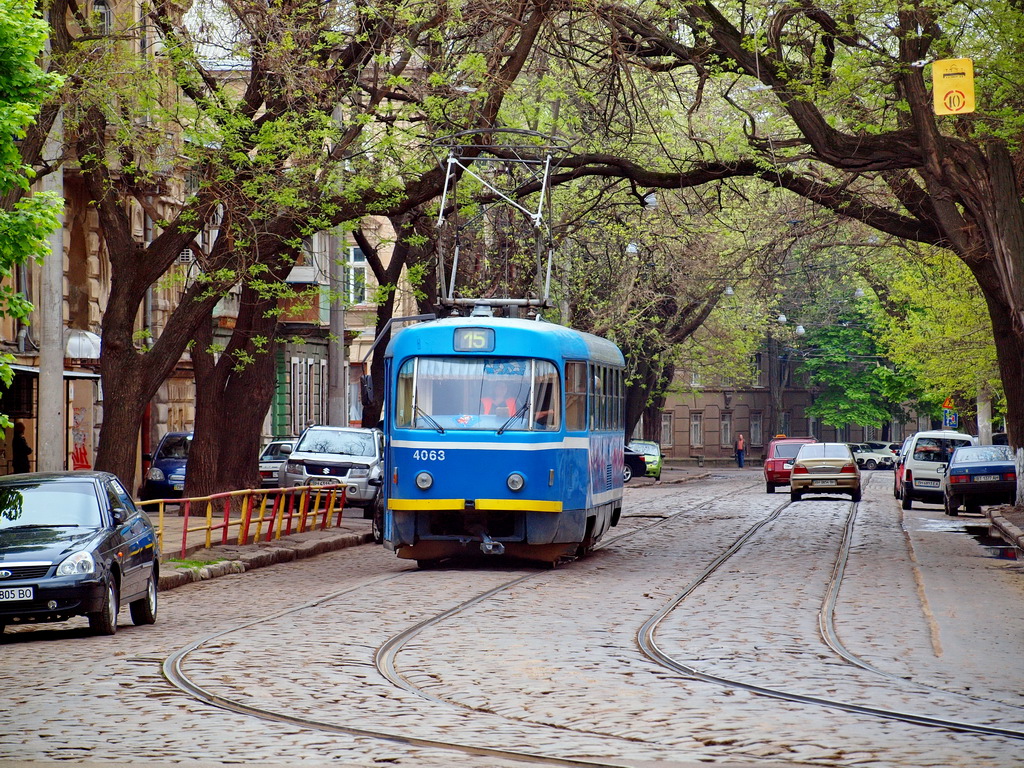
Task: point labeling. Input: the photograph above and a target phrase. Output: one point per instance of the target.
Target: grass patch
(183, 563)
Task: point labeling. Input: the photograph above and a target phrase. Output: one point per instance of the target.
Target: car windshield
(49, 505)
(336, 441)
(984, 453)
(174, 447)
(787, 450)
(492, 393)
(824, 451)
(937, 449)
(648, 449)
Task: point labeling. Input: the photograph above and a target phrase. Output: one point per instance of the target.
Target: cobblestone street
(550, 665)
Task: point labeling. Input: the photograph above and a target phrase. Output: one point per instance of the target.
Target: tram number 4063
(425, 455)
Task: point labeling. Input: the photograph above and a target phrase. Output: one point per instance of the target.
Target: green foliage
(852, 381)
(937, 328)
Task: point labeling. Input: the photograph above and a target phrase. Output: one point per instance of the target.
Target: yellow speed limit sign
(953, 86)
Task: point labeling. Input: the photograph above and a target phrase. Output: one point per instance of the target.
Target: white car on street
(869, 457)
(348, 456)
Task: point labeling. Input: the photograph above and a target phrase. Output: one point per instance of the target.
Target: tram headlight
(515, 482)
(424, 481)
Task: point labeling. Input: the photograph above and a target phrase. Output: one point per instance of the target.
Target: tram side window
(575, 396)
(547, 398)
(607, 398)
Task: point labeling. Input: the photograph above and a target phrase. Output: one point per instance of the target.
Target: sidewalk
(223, 559)
(1008, 523)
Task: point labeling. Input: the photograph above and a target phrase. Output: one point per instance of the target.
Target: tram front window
(491, 393)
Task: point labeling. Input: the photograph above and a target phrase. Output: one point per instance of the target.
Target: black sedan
(979, 474)
(635, 465)
(74, 544)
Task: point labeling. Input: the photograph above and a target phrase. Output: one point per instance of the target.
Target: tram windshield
(503, 394)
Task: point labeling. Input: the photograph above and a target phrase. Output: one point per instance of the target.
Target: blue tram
(503, 436)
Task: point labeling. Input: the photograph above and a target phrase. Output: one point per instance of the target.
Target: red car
(779, 460)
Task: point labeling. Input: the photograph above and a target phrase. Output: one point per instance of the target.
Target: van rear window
(937, 449)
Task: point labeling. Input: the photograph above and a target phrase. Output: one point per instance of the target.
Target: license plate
(324, 481)
(12, 594)
(926, 483)
(986, 478)
(823, 482)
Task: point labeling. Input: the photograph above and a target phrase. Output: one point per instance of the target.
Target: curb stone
(1007, 530)
(282, 551)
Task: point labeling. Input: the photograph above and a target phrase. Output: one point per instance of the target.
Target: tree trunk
(233, 395)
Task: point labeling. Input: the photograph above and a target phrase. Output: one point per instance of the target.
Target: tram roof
(529, 337)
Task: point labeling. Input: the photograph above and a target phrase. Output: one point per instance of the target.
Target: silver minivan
(348, 456)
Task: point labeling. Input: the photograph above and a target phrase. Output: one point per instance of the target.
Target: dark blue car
(979, 474)
(74, 544)
(165, 478)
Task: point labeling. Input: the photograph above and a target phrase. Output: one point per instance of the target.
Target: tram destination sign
(474, 340)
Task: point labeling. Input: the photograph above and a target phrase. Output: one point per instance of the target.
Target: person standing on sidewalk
(741, 448)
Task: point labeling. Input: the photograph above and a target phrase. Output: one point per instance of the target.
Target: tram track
(648, 645)
(385, 661)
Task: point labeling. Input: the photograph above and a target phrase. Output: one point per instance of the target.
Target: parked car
(922, 462)
(349, 456)
(825, 468)
(74, 544)
(779, 460)
(883, 446)
(165, 478)
(869, 457)
(271, 459)
(652, 456)
(897, 480)
(634, 464)
(979, 474)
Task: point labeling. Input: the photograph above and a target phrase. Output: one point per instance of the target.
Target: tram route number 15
(425, 455)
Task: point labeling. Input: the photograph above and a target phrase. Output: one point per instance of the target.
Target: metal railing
(249, 516)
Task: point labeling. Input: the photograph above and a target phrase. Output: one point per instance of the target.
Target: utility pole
(337, 368)
(51, 453)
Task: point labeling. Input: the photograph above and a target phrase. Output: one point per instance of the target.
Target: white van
(922, 461)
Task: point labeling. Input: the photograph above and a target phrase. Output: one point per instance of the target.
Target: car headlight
(515, 482)
(357, 472)
(294, 467)
(424, 481)
(78, 564)
(155, 475)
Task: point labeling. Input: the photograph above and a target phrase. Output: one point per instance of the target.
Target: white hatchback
(923, 460)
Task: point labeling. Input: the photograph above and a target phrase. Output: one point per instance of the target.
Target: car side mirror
(943, 468)
(286, 449)
(120, 514)
(147, 457)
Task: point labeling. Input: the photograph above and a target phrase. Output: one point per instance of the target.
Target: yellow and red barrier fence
(249, 516)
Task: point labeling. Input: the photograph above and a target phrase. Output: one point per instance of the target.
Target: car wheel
(951, 505)
(627, 473)
(907, 501)
(104, 621)
(795, 495)
(143, 611)
(657, 477)
(870, 464)
(856, 495)
(377, 524)
(769, 487)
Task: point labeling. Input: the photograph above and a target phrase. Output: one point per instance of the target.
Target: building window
(697, 430)
(787, 424)
(813, 427)
(695, 379)
(356, 272)
(756, 433)
(726, 431)
(759, 363)
(666, 429)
